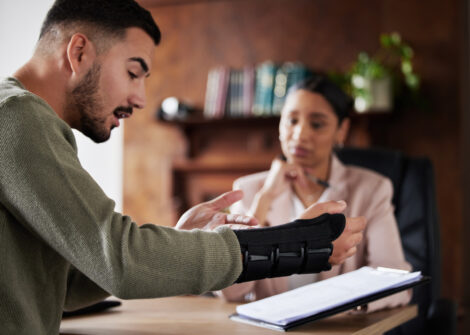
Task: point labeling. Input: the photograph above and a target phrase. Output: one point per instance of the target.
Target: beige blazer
(367, 194)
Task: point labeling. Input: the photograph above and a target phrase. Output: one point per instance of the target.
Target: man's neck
(38, 77)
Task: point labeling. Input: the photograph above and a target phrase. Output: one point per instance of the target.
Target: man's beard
(85, 100)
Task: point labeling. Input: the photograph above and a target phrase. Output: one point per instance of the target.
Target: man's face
(113, 86)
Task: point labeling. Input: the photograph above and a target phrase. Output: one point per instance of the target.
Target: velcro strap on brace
(301, 246)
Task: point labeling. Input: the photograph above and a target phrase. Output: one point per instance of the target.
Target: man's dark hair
(320, 84)
(110, 16)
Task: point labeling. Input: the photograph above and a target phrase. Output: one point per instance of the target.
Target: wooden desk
(209, 316)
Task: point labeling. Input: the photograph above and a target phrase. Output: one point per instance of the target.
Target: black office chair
(416, 213)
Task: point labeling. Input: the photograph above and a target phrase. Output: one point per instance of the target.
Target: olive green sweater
(62, 246)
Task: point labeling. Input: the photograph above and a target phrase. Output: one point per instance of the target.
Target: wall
(20, 22)
(13, 14)
(325, 35)
(465, 148)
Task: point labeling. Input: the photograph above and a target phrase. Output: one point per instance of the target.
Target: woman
(313, 122)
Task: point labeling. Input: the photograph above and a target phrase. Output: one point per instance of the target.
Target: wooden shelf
(250, 135)
(162, 3)
(207, 167)
(225, 122)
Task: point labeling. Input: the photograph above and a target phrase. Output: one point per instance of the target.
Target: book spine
(232, 94)
(211, 92)
(239, 104)
(222, 91)
(265, 73)
(257, 107)
(248, 90)
(280, 89)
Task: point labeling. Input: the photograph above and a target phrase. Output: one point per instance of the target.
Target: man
(62, 244)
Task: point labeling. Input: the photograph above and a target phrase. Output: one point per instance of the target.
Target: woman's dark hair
(317, 83)
(111, 16)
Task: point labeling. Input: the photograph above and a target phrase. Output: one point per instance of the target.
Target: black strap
(301, 246)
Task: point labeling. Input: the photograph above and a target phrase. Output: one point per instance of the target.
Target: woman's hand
(280, 176)
(346, 244)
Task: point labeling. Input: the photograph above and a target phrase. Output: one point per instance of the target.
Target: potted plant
(374, 81)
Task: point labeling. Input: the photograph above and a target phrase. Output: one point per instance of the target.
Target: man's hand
(345, 245)
(208, 215)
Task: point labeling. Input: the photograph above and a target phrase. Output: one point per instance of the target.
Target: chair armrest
(442, 317)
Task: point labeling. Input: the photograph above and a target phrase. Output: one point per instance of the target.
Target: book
(216, 92)
(264, 88)
(234, 107)
(211, 92)
(327, 297)
(221, 92)
(248, 90)
(289, 74)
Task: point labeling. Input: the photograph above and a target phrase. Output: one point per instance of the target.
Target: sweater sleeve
(81, 291)
(45, 188)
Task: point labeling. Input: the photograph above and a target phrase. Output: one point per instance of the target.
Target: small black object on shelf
(173, 109)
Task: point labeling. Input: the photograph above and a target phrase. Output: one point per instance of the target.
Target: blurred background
(170, 165)
(325, 36)
(158, 166)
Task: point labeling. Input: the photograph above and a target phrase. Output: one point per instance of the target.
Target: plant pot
(372, 94)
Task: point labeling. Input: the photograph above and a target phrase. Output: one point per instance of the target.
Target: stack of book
(260, 91)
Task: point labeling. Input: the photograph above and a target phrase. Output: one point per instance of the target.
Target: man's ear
(81, 54)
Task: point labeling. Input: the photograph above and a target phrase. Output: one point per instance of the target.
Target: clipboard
(329, 312)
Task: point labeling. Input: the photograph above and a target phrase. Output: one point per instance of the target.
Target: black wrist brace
(301, 246)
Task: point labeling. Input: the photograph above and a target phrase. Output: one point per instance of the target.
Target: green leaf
(406, 67)
(395, 38)
(412, 81)
(363, 57)
(406, 52)
(385, 40)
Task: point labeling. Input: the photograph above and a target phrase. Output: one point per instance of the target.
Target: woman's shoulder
(363, 178)
(368, 192)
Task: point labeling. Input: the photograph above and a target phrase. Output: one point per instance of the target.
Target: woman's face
(309, 129)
